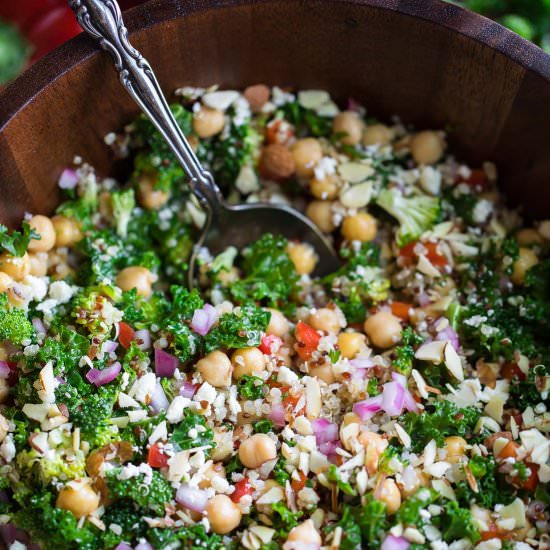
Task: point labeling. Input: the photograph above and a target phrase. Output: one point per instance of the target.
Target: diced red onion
(393, 398)
(329, 449)
(101, 377)
(277, 414)
(144, 546)
(359, 374)
(188, 390)
(365, 409)
(203, 319)
(159, 401)
(324, 430)
(123, 546)
(395, 543)
(409, 402)
(109, 346)
(4, 370)
(68, 179)
(423, 299)
(143, 336)
(450, 335)
(192, 498)
(9, 533)
(165, 363)
(399, 378)
(362, 363)
(39, 326)
(60, 380)
(352, 105)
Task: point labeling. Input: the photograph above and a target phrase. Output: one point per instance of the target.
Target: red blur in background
(46, 24)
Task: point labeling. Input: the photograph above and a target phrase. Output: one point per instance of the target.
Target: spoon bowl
(226, 225)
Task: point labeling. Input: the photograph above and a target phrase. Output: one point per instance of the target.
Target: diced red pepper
(242, 488)
(126, 335)
(279, 131)
(270, 343)
(299, 484)
(156, 458)
(307, 340)
(401, 310)
(529, 484)
(509, 450)
(512, 370)
(408, 255)
(477, 178)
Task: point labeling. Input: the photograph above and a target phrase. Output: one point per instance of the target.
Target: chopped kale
(192, 432)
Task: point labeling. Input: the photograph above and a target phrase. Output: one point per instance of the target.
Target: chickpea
(223, 514)
(306, 534)
(350, 124)
(390, 495)
(39, 264)
(17, 267)
(378, 134)
(44, 227)
(247, 361)
(256, 450)
(326, 319)
(303, 257)
(307, 153)
(360, 227)
(278, 324)
(67, 231)
(374, 445)
(216, 369)
(4, 390)
(324, 189)
(427, 147)
(324, 372)
(136, 277)
(149, 197)
(5, 281)
(4, 427)
(320, 213)
(350, 343)
(383, 329)
(79, 498)
(528, 237)
(526, 260)
(455, 447)
(208, 122)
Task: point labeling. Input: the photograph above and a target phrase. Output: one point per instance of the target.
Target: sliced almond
(54, 422)
(37, 412)
(444, 488)
(47, 379)
(313, 99)
(125, 401)
(137, 415)
(495, 407)
(516, 510)
(39, 442)
(432, 352)
(356, 196)
(453, 362)
(313, 398)
(220, 100)
(355, 172)
(328, 109)
(425, 266)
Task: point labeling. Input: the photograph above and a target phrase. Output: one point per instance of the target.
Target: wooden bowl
(432, 63)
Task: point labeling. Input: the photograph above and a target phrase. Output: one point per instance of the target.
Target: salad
(398, 403)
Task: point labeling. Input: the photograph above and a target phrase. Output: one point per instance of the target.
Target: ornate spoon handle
(102, 19)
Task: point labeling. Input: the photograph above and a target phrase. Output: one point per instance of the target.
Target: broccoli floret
(153, 493)
(17, 243)
(129, 518)
(53, 527)
(404, 353)
(415, 214)
(14, 325)
(94, 312)
(123, 203)
(53, 466)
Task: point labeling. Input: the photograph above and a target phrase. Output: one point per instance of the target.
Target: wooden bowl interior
(435, 65)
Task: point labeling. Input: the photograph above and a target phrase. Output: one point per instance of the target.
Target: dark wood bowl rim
(459, 20)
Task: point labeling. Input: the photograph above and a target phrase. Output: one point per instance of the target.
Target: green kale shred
(251, 387)
(181, 440)
(17, 243)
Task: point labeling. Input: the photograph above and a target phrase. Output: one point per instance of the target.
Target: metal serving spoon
(226, 224)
